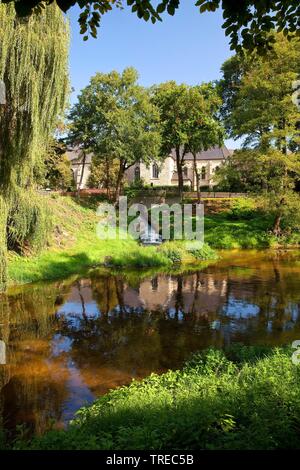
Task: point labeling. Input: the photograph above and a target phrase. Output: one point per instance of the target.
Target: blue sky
(188, 47)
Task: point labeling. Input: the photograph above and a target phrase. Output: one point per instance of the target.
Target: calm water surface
(70, 341)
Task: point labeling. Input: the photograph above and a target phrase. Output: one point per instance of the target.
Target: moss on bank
(217, 401)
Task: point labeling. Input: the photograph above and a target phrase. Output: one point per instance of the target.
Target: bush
(186, 251)
(172, 251)
(242, 208)
(217, 401)
(171, 188)
(29, 222)
(137, 188)
(203, 253)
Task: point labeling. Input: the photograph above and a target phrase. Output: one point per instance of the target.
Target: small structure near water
(148, 234)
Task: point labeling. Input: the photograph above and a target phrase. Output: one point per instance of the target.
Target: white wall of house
(77, 170)
(165, 172)
(167, 169)
(147, 172)
(210, 168)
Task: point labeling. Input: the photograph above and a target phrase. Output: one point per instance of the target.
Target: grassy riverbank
(74, 246)
(243, 225)
(247, 398)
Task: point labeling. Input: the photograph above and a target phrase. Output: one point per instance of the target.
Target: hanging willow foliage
(34, 69)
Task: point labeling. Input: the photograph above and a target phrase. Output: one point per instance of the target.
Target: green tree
(258, 106)
(272, 176)
(171, 100)
(115, 119)
(203, 127)
(242, 172)
(57, 167)
(188, 121)
(34, 69)
(257, 93)
(104, 174)
(247, 22)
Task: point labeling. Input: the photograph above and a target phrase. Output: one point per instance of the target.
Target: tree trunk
(119, 181)
(276, 226)
(107, 178)
(179, 172)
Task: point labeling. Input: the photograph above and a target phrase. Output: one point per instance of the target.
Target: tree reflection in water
(68, 342)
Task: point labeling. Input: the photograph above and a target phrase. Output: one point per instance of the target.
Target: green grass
(243, 225)
(74, 247)
(245, 398)
(223, 232)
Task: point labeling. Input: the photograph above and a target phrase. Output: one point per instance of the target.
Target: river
(68, 342)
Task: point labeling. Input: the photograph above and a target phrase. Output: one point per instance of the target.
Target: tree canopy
(188, 120)
(258, 106)
(257, 96)
(114, 118)
(246, 22)
(34, 69)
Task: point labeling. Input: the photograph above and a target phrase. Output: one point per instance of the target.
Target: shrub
(29, 221)
(218, 400)
(203, 253)
(189, 251)
(172, 251)
(242, 208)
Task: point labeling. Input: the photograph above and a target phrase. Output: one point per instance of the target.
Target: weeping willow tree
(34, 70)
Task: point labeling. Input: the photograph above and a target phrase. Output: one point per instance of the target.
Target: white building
(161, 173)
(164, 173)
(80, 166)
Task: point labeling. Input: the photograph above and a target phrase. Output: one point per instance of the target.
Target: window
(185, 170)
(203, 173)
(155, 171)
(137, 173)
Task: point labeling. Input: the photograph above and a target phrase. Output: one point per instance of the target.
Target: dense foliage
(34, 69)
(56, 168)
(116, 120)
(257, 96)
(217, 401)
(258, 106)
(104, 174)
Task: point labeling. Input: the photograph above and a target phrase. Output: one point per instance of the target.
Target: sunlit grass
(75, 246)
(245, 398)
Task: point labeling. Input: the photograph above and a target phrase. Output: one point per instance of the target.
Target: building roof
(214, 153)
